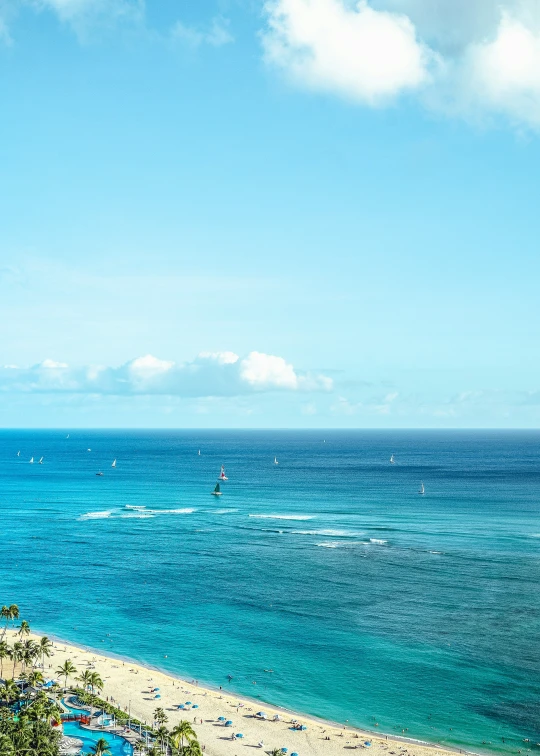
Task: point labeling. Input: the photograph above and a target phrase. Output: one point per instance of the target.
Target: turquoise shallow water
(371, 603)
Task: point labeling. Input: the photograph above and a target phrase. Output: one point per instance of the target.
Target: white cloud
(359, 52)
(465, 58)
(505, 72)
(209, 374)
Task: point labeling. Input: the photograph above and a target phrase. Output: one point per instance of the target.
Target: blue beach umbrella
(285, 750)
(294, 753)
(221, 719)
(367, 744)
(156, 688)
(188, 703)
(228, 723)
(261, 714)
(158, 696)
(241, 735)
(181, 706)
(195, 706)
(303, 727)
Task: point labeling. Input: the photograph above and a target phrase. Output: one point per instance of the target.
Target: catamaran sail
(422, 489)
(392, 461)
(32, 461)
(40, 461)
(275, 461)
(18, 454)
(222, 475)
(114, 463)
(216, 491)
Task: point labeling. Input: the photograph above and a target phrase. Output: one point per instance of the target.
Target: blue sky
(295, 213)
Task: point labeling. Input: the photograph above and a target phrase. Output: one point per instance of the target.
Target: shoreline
(125, 694)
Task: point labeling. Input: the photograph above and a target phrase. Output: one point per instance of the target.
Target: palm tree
(35, 678)
(16, 654)
(162, 734)
(193, 748)
(9, 691)
(24, 629)
(277, 752)
(182, 731)
(101, 748)
(96, 681)
(159, 716)
(30, 652)
(67, 669)
(4, 654)
(85, 678)
(8, 613)
(45, 649)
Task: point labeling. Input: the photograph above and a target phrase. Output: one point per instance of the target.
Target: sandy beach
(130, 685)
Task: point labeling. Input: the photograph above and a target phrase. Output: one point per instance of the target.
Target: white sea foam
(282, 517)
(185, 510)
(378, 541)
(137, 516)
(96, 515)
(337, 533)
(135, 506)
(223, 511)
(534, 535)
(330, 544)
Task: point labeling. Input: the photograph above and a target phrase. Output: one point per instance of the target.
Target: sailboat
(422, 489)
(18, 454)
(40, 461)
(114, 463)
(216, 491)
(31, 460)
(275, 461)
(199, 453)
(222, 475)
(67, 435)
(99, 473)
(392, 461)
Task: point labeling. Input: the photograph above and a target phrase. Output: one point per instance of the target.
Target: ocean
(371, 604)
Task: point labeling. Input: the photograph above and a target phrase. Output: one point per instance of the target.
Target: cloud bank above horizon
(210, 374)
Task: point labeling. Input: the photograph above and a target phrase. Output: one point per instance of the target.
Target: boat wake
(282, 517)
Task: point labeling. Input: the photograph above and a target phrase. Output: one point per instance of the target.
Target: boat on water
(392, 460)
(422, 489)
(99, 473)
(114, 463)
(199, 453)
(40, 461)
(18, 454)
(217, 491)
(222, 475)
(31, 460)
(67, 435)
(275, 461)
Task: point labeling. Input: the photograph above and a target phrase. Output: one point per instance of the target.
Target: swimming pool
(118, 745)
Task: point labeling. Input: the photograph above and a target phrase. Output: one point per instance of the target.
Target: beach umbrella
(156, 688)
(294, 753)
(367, 744)
(221, 719)
(228, 723)
(181, 706)
(195, 706)
(285, 750)
(188, 703)
(261, 714)
(303, 727)
(158, 696)
(241, 735)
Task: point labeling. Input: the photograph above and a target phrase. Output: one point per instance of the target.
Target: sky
(281, 213)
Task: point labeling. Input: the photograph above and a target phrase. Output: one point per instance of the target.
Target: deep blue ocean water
(371, 603)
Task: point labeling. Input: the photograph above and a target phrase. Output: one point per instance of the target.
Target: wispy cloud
(208, 375)
(216, 35)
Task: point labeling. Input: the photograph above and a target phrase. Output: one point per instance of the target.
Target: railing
(76, 718)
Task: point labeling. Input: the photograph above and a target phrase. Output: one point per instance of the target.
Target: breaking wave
(282, 517)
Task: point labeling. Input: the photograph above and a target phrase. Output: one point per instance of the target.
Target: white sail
(275, 461)
(18, 454)
(392, 459)
(222, 475)
(114, 463)
(40, 461)
(32, 461)
(422, 489)
(199, 453)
